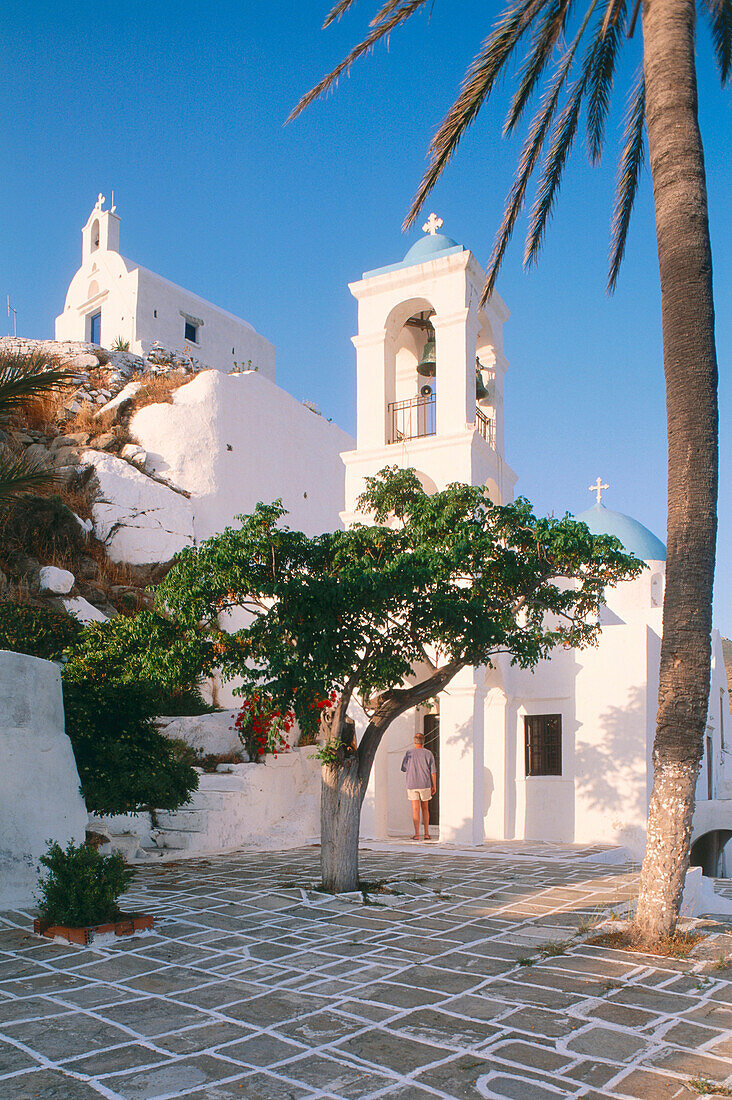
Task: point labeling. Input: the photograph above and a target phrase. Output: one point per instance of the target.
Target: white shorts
(419, 794)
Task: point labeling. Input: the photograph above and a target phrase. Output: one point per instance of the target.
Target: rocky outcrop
(140, 521)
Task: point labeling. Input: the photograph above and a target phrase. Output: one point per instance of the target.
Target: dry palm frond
(22, 475)
(631, 163)
(719, 14)
(337, 11)
(477, 85)
(23, 377)
(406, 9)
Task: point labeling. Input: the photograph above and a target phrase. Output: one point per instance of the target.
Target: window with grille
(191, 332)
(543, 742)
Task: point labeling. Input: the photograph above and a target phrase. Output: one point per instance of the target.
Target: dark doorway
(431, 730)
(708, 852)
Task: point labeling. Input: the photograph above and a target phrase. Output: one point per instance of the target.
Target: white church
(560, 753)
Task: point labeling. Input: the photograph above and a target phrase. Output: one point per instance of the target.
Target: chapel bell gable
(101, 232)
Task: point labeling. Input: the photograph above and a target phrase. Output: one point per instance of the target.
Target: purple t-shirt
(419, 764)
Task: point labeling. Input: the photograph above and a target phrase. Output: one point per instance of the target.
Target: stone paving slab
(473, 981)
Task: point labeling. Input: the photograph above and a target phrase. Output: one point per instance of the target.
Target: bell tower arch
(430, 371)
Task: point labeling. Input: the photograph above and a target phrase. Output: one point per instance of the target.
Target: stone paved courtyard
(454, 985)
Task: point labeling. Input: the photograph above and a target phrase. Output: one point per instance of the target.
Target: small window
(191, 332)
(155, 313)
(543, 742)
(95, 328)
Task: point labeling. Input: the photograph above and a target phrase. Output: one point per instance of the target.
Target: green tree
(567, 56)
(24, 377)
(388, 613)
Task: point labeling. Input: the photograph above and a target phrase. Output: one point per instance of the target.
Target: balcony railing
(486, 427)
(412, 419)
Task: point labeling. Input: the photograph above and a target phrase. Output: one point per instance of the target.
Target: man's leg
(426, 819)
(415, 818)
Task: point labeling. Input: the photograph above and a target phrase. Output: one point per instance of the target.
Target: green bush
(143, 649)
(82, 886)
(42, 528)
(39, 631)
(124, 762)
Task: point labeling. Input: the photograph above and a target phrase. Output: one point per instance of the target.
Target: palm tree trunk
(690, 365)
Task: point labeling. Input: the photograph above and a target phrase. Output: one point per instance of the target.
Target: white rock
(124, 395)
(84, 611)
(84, 361)
(58, 581)
(208, 733)
(140, 521)
(217, 440)
(133, 452)
(39, 782)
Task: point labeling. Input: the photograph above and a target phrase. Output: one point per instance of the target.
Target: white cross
(100, 200)
(597, 488)
(432, 224)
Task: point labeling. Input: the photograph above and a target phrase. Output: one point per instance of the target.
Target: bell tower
(430, 372)
(101, 232)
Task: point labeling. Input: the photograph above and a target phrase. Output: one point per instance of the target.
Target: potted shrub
(78, 896)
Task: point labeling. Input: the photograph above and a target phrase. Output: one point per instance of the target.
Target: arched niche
(485, 361)
(94, 236)
(407, 329)
(427, 483)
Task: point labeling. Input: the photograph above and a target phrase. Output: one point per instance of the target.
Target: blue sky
(180, 109)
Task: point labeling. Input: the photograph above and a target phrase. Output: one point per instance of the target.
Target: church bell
(427, 366)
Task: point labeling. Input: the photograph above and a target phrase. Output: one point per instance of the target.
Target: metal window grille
(486, 427)
(543, 744)
(412, 419)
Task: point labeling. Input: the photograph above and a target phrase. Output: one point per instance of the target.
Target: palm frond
(600, 83)
(477, 85)
(337, 11)
(543, 43)
(24, 376)
(530, 153)
(719, 14)
(22, 475)
(404, 11)
(560, 147)
(629, 169)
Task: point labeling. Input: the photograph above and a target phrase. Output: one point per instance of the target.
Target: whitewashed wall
(39, 782)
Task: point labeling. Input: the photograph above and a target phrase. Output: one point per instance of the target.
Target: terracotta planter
(125, 926)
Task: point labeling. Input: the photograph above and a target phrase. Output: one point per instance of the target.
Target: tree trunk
(340, 814)
(690, 366)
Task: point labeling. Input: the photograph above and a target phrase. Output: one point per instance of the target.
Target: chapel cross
(432, 224)
(597, 488)
(100, 201)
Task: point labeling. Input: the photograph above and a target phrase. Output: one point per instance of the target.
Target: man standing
(421, 773)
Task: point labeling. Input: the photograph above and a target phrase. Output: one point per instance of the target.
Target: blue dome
(636, 538)
(426, 247)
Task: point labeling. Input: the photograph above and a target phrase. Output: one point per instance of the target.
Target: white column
(461, 761)
(375, 387)
(456, 336)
